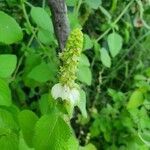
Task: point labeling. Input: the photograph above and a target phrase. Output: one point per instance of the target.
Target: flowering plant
(67, 89)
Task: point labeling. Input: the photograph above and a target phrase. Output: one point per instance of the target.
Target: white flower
(64, 92)
(74, 95)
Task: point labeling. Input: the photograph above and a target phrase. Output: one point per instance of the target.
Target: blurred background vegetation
(114, 69)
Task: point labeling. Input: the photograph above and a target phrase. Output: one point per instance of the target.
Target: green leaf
(27, 120)
(145, 137)
(96, 49)
(95, 129)
(51, 132)
(139, 77)
(73, 143)
(7, 65)
(40, 73)
(71, 2)
(88, 44)
(84, 61)
(135, 100)
(94, 4)
(105, 58)
(10, 32)
(8, 140)
(105, 12)
(88, 147)
(45, 37)
(5, 94)
(11, 3)
(115, 43)
(23, 145)
(46, 103)
(32, 60)
(7, 121)
(82, 103)
(85, 75)
(42, 19)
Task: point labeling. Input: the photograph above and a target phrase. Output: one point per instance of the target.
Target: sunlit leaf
(5, 94)
(88, 44)
(41, 18)
(105, 58)
(7, 65)
(84, 60)
(135, 100)
(27, 120)
(88, 147)
(82, 103)
(115, 43)
(145, 137)
(85, 75)
(8, 140)
(93, 3)
(51, 132)
(10, 31)
(8, 130)
(41, 73)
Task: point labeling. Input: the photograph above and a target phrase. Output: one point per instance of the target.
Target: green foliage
(45, 37)
(105, 58)
(51, 132)
(88, 147)
(27, 128)
(113, 77)
(5, 94)
(7, 65)
(70, 2)
(82, 103)
(8, 140)
(87, 42)
(40, 73)
(10, 30)
(8, 128)
(46, 103)
(84, 70)
(39, 16)
(23, 145)
(136, 99)
(93, 4)
(115, 43)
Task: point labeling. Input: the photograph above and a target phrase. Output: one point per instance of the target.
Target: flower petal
(74, 96)
(65, 92)
(57, 90)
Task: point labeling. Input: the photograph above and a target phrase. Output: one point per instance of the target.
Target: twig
(116, 21)
(60, 21)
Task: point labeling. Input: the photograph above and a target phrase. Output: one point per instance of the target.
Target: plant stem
(17, 68)
(76, 9)
(30, 5)
(43, 3)
(116, 21)
(26, 17)
(31, 28)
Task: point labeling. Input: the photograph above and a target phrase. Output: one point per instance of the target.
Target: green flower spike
(67, 89)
